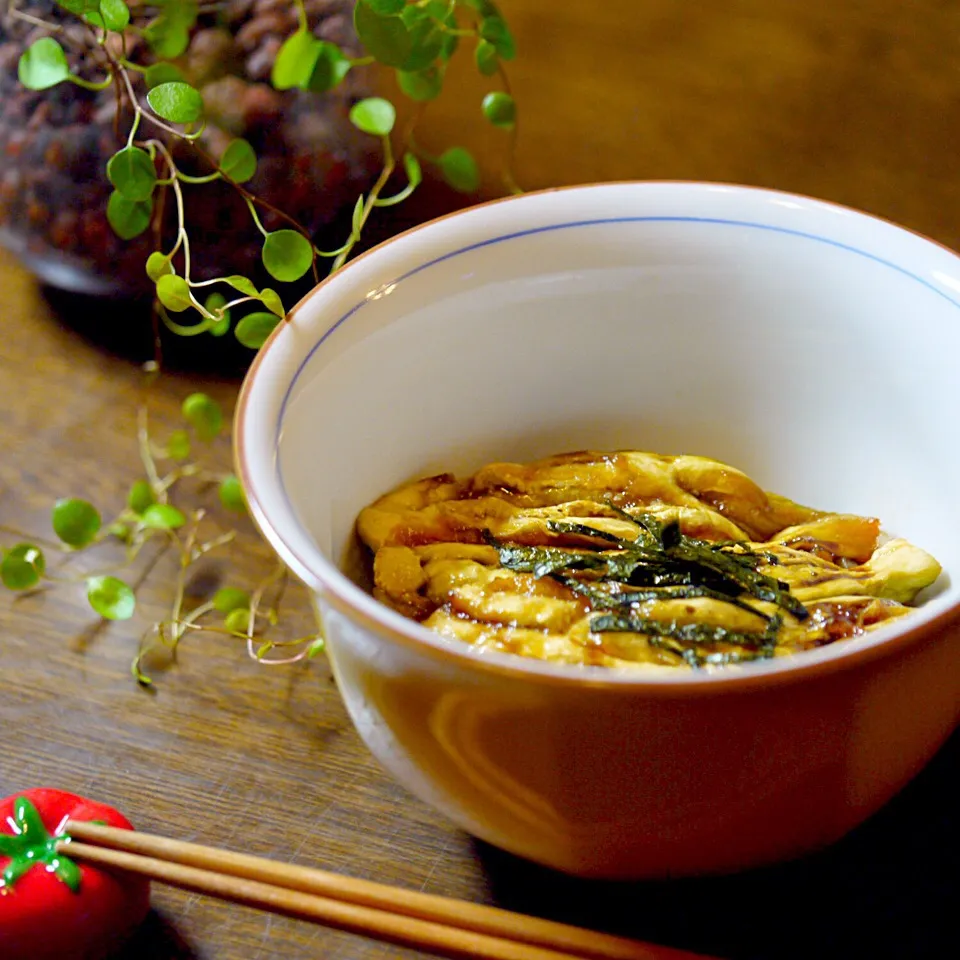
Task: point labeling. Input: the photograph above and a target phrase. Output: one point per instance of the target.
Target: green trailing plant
(154, 516)
(149, 517)
(414, 38)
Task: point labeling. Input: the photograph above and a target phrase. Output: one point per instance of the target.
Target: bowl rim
(342, 594)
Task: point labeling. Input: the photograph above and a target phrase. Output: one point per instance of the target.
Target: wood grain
(855, 101)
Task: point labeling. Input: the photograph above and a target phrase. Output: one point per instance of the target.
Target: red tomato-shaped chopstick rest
(52, 908)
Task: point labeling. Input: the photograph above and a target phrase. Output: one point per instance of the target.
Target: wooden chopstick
(441, 925)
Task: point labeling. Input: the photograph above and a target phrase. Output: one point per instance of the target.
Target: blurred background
(856, 101)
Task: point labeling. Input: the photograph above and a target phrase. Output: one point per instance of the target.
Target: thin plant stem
(186, 560)
(302, 15)
(253, 213)
(388, 167)
(18, 14)
(507, 171)
(146, 455)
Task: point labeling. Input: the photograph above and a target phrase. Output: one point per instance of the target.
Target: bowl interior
(813, 347)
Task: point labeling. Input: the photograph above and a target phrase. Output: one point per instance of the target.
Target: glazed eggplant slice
(633, 561)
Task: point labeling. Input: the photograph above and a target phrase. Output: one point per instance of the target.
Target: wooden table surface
(229, 752)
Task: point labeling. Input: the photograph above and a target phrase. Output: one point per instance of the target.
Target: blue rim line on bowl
(716, 221)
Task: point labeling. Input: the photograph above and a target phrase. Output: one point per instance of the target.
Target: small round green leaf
(485, 56)
(385, 37)
(111, 598)
(237, 621)
(229, 599)
(132, 172)
(450, 39)
(426, 38)
(115, 14)
(162, 72)
(176, 101)
(168, 36)
(374, 115)
(287, 255)
(411, 166)
(215, 304)
(79, 7)
(295, 60)
(242, 284)
(415, 13)
(495, 30)
(437, 9)
(252, 331)
(387, 8)
(140, 497)
(174, 293)
(75, 522)
(158, 265)
(43, 64)
(239, 162)
(22, 567)
(178, 446)
(162, 516)
(460, 169)
(271, 300)
(128, 218)
(330, 68)
(204, 414)
(449, 46)
(500, 109)
(423, 85)
(231, 494)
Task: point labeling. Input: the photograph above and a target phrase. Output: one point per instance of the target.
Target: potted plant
(214, 154)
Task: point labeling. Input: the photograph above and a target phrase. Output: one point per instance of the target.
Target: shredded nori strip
(544, 561)
(691, 633)
(662, 563)
(584, 530)
(669, 558)
(605, 600)
(686, 639)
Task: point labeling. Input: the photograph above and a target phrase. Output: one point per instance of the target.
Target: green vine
(415, 38)
(151, 516)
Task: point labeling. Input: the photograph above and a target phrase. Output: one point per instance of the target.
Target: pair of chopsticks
(439, 925)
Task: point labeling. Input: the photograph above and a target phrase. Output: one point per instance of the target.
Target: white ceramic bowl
(810, 345)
